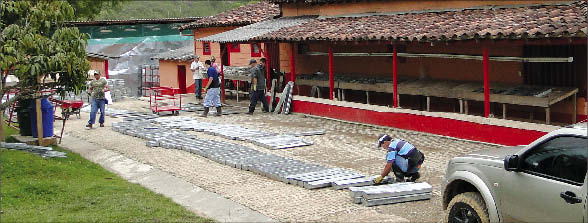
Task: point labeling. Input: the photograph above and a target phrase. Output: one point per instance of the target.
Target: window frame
(526, 154)
(234, 49)
(253, 53)
(204, 51)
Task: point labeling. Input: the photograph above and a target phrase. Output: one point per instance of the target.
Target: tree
(36, 47)
(89, 9)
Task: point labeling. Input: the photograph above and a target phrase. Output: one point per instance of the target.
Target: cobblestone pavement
(344, 145)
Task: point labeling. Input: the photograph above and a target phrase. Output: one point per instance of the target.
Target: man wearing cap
(197, 69)
(401, 157)
(96, 90)
(257, 85)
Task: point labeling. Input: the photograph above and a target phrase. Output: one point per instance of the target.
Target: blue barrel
(46, 115)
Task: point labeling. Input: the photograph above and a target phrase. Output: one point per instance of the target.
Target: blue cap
(383, 138)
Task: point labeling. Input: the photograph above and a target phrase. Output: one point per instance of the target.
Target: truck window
(562, 158)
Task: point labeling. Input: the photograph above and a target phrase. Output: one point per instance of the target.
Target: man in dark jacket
(257, 85)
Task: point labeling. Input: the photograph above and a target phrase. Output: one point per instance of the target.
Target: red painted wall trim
(434, 125)
(106, 69)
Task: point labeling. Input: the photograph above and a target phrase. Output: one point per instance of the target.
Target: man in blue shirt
(212, 90)
(402, 157)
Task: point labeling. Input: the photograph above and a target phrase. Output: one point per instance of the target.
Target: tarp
(135, 52)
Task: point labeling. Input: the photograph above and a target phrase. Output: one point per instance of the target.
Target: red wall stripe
(435, 125)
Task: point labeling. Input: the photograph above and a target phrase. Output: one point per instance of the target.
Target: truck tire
(467, 207)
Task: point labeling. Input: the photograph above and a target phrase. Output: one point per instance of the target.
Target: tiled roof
(182, 54)
(100, 55)
(244, 15)
(314, 1)
(538, 21)
(249, 32)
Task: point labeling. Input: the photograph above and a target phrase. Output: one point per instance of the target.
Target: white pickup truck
(544, 181)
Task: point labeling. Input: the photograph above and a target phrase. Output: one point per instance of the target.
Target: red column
(331, 75)
(292, 64)
(486, 84)
(394, 76)
(106, 69)
(267, 69)
(222, 74)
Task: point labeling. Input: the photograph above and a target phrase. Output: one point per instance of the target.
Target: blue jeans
(198, 88)
(258, 95)
(212, 98)
(97, 104)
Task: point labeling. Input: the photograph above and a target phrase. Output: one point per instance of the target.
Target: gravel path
(344, 145)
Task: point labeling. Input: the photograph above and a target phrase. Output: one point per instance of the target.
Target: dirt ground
(345, 145)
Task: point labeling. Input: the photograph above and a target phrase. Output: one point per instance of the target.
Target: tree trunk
(2, 138)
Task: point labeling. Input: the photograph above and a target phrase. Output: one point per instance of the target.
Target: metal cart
(165, 99)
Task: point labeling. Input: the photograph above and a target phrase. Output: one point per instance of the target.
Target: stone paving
(344, 145)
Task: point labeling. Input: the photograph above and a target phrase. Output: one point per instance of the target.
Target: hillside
(167, 9)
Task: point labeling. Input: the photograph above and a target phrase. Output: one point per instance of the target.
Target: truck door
(550, 187)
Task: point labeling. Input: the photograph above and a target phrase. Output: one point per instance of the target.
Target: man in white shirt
(197, 69)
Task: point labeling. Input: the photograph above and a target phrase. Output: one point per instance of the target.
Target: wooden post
(575, 107)
(486, 84)
(547, 118)
(394, 77)
(331, 74)
(292, 65)
(39, 121)
(503, 111)
(460, 106)
(428, 103)
(465, 105)
(367, 97)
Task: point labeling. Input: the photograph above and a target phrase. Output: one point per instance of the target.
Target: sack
(107, 98)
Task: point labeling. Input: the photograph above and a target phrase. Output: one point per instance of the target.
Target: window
(234, 47)
(206, 48)
(255, 50)
(562, 158)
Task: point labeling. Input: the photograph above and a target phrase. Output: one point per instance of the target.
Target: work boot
(101, 124)
(415, 177)
(219, 111)
(205, 113)
(89, 126)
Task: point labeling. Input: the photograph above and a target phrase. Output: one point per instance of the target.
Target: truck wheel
(467, 207)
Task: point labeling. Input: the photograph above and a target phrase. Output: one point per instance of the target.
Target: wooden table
(462, 91)
(238, 78)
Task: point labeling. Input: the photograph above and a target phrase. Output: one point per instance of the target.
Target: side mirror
(511, 163)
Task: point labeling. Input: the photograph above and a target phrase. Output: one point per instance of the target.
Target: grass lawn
(73, 189)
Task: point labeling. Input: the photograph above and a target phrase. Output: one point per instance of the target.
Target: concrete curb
(192, 197)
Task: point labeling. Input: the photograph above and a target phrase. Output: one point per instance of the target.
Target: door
(182, 78)
(550, 186)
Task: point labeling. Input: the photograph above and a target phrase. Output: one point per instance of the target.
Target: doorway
(182, 78)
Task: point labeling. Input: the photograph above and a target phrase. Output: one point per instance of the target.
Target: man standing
(197, 69)
(96, 90)
(212, 91)
(402, 157)
(257, 85)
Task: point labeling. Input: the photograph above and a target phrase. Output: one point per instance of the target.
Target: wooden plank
(575, 107)
(547, 118)
(39, 120)
(503, 111)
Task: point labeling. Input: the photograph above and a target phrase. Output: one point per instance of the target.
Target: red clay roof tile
(244, 15)
(562, 20)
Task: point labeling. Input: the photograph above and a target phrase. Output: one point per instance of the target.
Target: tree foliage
(37, 48)
(89, 9)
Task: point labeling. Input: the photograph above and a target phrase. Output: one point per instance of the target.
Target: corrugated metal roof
(246, 33)
(182, 54)
(133, 21)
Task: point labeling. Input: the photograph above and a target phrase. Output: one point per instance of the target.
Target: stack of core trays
(390, 193)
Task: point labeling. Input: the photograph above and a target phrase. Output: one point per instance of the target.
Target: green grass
(73, 189)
